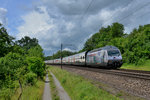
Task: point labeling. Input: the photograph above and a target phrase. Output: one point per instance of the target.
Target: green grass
(80, 89)
(7, 92)
(30, 92)
(34, 92)
(54, 92)
(145, 66)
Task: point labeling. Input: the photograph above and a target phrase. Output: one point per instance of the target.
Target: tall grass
(145, 66)
(78, 88)
(31, 92)
(34, 92)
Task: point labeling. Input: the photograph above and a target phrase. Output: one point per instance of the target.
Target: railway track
(121, 72)
(132, 82)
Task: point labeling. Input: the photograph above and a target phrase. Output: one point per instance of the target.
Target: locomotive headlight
(109, 61)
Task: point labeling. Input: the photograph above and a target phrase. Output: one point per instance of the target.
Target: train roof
(104, 48)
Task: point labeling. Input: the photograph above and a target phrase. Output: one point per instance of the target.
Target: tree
(27, 42)
(5, 41)
(117, 30)
(93, 41)
(135, 47)
(139, 44)
(36, 65)
(36, 51)
(58, 54)
(11, 64)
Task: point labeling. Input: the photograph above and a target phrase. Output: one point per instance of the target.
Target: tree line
(134, 46)
(56, 55)
(21, 63)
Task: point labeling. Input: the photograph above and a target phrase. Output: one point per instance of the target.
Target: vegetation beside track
(22, 67)
(144, 67)
(78, 88)
(31, 92)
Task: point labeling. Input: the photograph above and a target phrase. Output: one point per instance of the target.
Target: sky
(70, 22)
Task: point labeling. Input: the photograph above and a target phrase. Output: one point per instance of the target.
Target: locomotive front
(114, 58)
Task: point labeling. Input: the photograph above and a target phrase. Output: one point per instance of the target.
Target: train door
(102, 55)
(105, 57)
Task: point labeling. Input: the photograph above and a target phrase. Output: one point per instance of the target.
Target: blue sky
(54, 22)
(15, 9)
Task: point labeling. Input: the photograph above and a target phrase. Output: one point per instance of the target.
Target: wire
(128, 14)
(134, 12)
(112, 16)
(87, 9)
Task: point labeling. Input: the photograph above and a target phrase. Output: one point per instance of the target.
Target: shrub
(31, 78)
(141, 61)
(10, 65)
(36, 65)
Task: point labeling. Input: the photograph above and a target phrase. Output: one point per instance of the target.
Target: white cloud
(35, 23)
(3, 18)
(39, 25)
(61, 21)
(67, 49)
(49, 31)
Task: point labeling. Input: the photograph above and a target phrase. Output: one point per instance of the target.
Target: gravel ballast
(136, 87)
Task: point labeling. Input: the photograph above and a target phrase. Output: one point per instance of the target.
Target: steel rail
(121, 72)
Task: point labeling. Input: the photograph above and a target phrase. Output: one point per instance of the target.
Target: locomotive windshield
(113, 53)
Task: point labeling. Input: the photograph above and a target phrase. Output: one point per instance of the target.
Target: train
(105, 57)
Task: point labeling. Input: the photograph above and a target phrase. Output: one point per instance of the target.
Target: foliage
(31, 78)
(36, 65)
(11, 71)
(58, 54)
(10, 65)
(18, 49)
(138, 45)
(26, 42)
(36, 51)
(104, 36)
(16, 63)
(134, 47)
(5, 41)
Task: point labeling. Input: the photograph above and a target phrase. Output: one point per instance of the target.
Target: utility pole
(53, 58)
(61, 54)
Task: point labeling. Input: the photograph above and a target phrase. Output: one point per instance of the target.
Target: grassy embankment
(145, 66)
(54, 92)
(80, 89)
(30, 92)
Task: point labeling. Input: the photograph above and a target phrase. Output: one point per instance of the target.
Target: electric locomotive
(106, 57)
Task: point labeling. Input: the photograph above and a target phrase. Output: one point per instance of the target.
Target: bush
(141, 61)
(36, 51)
(31, 78)
(36, 65)
(10, 65)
